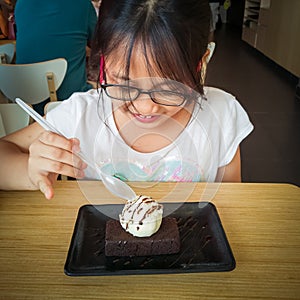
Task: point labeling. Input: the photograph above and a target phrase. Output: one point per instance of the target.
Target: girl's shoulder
(81, 108)
(83, 98)
(219, 101)
(81, 102)
(214, 94)
(77, 105)
(220, 107)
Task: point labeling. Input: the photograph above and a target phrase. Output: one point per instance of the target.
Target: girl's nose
(145, 106)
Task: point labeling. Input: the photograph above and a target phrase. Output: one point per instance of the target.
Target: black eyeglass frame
(185, 97)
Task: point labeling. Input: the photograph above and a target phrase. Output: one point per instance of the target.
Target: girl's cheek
(122, 106)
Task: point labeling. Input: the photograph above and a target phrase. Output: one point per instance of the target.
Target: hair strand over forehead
(172, 34)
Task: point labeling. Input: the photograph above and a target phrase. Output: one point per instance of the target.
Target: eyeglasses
(130, 93)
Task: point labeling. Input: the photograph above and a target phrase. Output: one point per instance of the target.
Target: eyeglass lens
(127, 93)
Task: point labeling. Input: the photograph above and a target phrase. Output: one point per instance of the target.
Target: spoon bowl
(116, 186)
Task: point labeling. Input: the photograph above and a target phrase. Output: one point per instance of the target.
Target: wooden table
(261, 221)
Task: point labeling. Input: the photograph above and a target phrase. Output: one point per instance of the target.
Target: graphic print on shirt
(176, 162)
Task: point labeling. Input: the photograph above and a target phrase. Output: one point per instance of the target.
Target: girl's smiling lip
(145, 118)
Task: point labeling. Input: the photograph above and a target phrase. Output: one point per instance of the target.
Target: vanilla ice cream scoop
(142, 216)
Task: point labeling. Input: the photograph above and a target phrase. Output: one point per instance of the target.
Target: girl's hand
(51, 155)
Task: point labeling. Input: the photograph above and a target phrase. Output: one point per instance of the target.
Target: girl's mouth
(145, 119)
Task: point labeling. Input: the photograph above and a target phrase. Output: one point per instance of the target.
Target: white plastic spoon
(116, 186)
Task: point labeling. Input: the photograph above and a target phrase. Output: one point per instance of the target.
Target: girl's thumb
(45, 186)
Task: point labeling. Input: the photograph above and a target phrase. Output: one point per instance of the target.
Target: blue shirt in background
(54, 29)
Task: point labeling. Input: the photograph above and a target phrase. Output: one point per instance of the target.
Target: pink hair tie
(199, 67)
(101, 78)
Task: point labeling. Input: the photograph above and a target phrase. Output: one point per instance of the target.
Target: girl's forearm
(13, 168)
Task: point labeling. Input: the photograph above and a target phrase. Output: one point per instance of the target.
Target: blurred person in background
(7, 30)
(56, 29)
(96, 4)
(218, 9)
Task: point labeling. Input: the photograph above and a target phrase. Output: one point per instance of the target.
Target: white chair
(7, 53)
(2, 129)
(13, 118)
(33, 83)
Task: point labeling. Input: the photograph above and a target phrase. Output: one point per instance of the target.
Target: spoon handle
(47, 126)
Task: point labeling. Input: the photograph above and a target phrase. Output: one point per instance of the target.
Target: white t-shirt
(209, 141)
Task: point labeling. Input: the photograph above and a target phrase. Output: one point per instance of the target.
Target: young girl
(151, 119)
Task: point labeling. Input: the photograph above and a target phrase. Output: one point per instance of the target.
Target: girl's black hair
(172, 33)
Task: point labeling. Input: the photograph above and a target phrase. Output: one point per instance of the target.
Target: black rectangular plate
(204, 246)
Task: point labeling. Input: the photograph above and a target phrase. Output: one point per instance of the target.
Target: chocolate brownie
(118, 242)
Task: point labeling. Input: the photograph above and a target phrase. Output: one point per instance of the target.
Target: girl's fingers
(50, 155)
(56, 140)
(58, 156)
(45, 165)
(60, 151)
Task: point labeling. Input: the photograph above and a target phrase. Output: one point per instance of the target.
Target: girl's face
(143, 112)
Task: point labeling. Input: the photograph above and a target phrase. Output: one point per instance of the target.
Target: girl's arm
(32, 158)
(232, 171)
(14, 153)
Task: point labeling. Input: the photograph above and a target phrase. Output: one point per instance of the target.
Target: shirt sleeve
(75, 114)
(236, 128)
